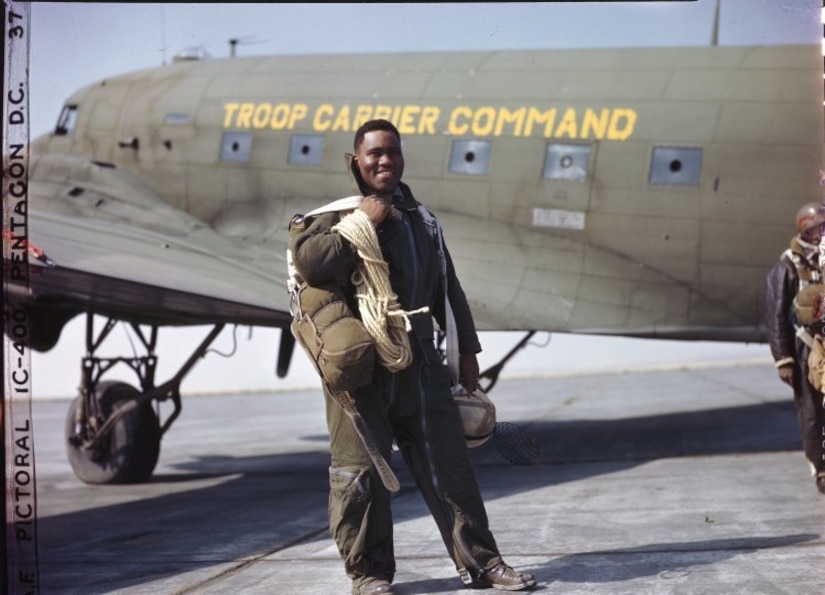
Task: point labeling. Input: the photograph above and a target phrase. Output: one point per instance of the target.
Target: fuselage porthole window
(66, 121)
(470, 157)
(567, 162)
(676, 166)
(176, 118)
(306, 149)
(236, 147)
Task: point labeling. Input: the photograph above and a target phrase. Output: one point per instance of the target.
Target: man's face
(380, 161)
(812, 235)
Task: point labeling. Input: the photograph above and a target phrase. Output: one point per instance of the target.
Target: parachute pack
(341, 348)
(336, 341)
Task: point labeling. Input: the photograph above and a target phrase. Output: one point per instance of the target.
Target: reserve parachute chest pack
(336, 341)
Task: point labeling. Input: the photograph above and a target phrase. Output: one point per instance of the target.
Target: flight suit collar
(403, 198)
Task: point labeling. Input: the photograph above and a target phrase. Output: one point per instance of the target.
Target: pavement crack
(241, 565)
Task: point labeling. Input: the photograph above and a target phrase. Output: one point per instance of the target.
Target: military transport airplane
(635, 192)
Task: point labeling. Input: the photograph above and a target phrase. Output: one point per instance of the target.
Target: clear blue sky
(74, 44)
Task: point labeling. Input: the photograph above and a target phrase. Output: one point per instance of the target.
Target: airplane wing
(103, 242)
(114, 247)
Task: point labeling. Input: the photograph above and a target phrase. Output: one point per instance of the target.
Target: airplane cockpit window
(236, 146)
(567, 162)
(676, 166)
(470, 157)
(306, 149)
(65, 123)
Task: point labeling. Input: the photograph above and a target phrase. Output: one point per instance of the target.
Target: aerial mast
(714, 36)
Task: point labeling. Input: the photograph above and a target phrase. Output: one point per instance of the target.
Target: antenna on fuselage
(162, 36)
(714, 36)
(248, 40)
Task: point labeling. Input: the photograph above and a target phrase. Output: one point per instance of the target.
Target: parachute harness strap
(386, 322)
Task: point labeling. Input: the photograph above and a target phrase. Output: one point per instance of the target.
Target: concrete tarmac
(673, 481)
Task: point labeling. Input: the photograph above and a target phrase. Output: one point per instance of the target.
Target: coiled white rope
(380, 310)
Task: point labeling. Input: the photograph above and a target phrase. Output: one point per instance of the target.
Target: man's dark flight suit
(782, 286)
(414, 407)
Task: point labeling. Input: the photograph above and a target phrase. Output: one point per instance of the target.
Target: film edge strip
(20, 553)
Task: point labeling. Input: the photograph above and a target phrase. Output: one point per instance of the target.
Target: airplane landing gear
(112, 431)
(491, 373)
(128, 452)
(488, 378)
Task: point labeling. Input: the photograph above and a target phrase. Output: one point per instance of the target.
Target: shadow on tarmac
(763, 427)
(254, 506)
(626, 564)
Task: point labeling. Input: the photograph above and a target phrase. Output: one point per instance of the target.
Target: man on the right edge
(793, 318)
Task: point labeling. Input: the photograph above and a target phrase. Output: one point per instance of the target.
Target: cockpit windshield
(66, 121)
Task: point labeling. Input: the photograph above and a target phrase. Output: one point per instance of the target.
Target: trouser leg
(360, 517)
(809, 407)
(437, 456)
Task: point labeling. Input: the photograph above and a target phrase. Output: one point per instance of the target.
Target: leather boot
(505, 578)
(374, 586)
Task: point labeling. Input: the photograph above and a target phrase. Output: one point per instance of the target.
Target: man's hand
(786, 374)
(375, 208)
(468, 371)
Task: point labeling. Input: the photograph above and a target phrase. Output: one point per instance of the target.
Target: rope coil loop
(386, 322)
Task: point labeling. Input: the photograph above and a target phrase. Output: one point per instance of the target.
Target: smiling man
(379, 159)
(413, 407)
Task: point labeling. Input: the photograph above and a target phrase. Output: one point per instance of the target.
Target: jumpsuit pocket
(352, 481)
(349, 492)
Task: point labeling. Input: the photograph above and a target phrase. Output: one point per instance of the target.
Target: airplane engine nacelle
(45, 323)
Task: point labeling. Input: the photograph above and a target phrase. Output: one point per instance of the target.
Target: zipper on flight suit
(414, 254)
(466, 556)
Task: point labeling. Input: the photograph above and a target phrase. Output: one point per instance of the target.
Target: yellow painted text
(461, 120)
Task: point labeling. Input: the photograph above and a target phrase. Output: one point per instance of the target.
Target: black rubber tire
(132, 448)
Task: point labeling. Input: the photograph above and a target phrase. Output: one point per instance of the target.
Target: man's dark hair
(373, 125)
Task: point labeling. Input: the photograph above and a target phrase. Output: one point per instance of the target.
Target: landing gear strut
(490, 375)
(113, 433)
